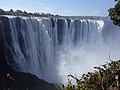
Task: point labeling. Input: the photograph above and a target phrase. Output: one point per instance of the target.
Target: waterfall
(52, 48)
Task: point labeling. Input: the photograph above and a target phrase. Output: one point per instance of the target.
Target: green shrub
(105, 77)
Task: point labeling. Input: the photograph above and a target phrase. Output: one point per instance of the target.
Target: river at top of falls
(52, 48)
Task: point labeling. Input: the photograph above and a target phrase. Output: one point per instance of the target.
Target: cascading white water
(33, 47)
(53, 48)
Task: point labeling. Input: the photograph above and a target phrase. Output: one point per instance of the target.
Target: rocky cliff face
(52, 48)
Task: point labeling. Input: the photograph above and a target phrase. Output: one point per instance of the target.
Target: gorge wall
(52, 48)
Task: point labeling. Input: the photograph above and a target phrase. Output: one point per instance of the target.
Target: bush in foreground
(105, 77)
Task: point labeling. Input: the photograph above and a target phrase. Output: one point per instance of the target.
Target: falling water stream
(52, 48)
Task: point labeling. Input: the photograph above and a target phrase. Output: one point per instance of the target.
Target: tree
(2, 12)
(114, 13)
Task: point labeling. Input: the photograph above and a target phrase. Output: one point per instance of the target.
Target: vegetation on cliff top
(24, 13)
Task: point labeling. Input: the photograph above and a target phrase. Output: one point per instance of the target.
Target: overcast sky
(61, 7)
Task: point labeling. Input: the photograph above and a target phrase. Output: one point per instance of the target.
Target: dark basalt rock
(6, 39)
(23, 81)
(12, 79)
(3, 63)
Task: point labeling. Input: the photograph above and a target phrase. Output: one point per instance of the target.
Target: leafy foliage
(114, 13)
(105, 77)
